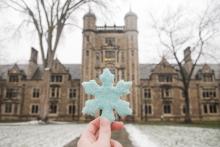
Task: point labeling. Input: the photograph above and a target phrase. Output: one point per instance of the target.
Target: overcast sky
(16, 49)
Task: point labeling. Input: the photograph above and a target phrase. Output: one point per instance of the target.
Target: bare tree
(176, 31)
(49, 18)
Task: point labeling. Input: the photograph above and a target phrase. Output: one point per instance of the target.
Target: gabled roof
(38, 74)
(146, 70)
(164, 67)
(206, 69)
(75, 70)
(15, 69)
(58, 67)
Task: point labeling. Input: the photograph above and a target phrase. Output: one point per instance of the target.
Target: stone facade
(115, 47)
(30, 92)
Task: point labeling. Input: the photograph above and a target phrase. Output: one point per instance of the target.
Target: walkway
(121, 136)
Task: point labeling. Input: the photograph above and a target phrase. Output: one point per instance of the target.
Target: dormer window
(207, 77)
(13, 78)
(56, 78)
(165, 78)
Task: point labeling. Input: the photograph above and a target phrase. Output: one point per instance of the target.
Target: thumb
(104, 130)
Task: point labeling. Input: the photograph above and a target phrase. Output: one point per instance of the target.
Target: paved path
(121, 136)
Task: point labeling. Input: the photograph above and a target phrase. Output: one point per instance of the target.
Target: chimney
(32, 66)
(34, 55)
(187, 55)
(188, 59)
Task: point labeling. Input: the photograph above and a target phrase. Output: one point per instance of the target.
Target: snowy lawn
(38, 135)
(32, 134)
(173, 136)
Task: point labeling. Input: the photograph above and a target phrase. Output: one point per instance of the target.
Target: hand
(98, 134)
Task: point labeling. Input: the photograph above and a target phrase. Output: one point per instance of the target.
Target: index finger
(93, 126)
(88, 136)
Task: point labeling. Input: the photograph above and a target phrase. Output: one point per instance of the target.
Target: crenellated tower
(114, 47)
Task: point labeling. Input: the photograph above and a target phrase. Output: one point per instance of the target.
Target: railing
(110, 28)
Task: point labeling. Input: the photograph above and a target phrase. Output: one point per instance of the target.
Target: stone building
(115, 47)
(30, 92)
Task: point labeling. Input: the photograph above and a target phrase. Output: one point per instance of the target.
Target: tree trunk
(187, 106)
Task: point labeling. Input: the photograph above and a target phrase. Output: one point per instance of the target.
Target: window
(132, 53)
(13, 78)
(15, 108)
(122, 57)
(166, 92)
(110, 41)
(209, 92)
(112, 70)
(11, 92)
(147, 93)
(123, 74)
(133, 76)
(182, 93)
(53, 108)
(97, 74)
(213, 108)
(167, 108)
(56, 78)
(205, 108)
(34, 109)
(8, 108)
(36, 93)
(165, 78)
(97, 57)
(184, 109)
(55, 92)
(87, 53)
(72, 93)
(210, 108)
(148, 109)
(207, 77)
(109, 54)
(72, 109)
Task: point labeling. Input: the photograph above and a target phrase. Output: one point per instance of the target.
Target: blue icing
(107, 96)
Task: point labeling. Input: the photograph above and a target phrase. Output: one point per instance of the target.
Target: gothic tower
(114, 47)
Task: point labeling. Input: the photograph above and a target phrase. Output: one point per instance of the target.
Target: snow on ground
(33, 134)
(57, 134)
(175, 136)
(138, 138)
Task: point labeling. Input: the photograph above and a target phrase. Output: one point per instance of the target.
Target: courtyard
(34, 134)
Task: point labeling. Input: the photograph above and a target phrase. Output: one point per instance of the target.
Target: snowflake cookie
(107, 97)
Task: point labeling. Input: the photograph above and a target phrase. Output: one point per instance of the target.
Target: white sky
(17, 48)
